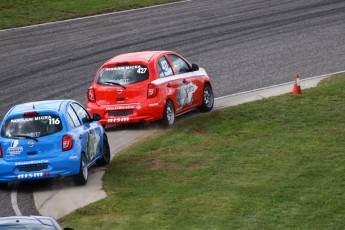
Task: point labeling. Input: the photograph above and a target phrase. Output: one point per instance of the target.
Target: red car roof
(144, 56)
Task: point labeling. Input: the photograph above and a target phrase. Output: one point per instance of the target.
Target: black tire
(168, 115)
(105, 159)
(3, 185)
(207, 99)
(82, 176)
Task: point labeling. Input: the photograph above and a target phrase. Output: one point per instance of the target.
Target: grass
(276, 163)
(15, 13)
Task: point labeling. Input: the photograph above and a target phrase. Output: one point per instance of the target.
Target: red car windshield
(122, 75)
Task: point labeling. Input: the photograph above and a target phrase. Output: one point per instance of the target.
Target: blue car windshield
(35, 126)
(122, 75)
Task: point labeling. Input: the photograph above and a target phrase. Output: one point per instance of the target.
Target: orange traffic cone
(297, 86)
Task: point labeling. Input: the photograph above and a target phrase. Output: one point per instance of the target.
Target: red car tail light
(152, 90)
(91, 95)
(1, 156)
(67, 142)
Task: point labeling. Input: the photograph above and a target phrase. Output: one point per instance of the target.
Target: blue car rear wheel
(105, 159)
(3, 185)
(82, 176)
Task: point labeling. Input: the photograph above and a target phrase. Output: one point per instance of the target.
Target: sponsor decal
(153, 104)
(123, 67)
(92, 144)
(33, 175)
(38, 118)
(22, 119)
(118, 119)
(31, 162)
(73, 157)
(185, 94)
(31, 143)
(42, 118)
(190, 89)
(34, 134)
(15, 149)
(120, 107)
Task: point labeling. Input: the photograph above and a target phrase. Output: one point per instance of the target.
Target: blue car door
(91, 136)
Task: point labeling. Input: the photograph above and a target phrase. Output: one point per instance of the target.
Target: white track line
(272, 86)
(14, 202)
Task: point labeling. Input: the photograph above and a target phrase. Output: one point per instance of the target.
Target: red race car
(148, 86)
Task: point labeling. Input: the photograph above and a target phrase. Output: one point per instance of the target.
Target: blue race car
(51, 139)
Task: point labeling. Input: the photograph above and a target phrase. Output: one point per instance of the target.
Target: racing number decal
(54, 121)
(141, 70)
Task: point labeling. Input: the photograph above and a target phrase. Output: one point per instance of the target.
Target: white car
(29, 223)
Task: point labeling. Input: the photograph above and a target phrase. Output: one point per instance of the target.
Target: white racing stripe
(179, 76)
(14, 202)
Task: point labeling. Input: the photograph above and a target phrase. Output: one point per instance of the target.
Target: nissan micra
(148, 86)
(48, 139)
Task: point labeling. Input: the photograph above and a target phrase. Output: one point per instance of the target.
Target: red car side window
(180, 65)
(164, 67)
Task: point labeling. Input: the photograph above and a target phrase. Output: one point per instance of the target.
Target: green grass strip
(277, 163)
(16, 13)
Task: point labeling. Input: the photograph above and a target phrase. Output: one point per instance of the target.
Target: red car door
(190, 85)
(172, 84)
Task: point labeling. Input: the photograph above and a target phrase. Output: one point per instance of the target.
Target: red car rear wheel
(169, 114)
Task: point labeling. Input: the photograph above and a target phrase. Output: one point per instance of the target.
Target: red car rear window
(123, 75)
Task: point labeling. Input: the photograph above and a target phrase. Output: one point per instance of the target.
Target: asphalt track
(243, 45)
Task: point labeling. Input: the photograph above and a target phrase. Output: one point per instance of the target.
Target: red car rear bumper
(148, 111)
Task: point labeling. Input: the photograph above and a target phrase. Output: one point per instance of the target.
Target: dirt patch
(157, 164)
(198, 130)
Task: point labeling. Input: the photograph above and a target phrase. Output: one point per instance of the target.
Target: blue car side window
(82, 113)
(73, 117)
